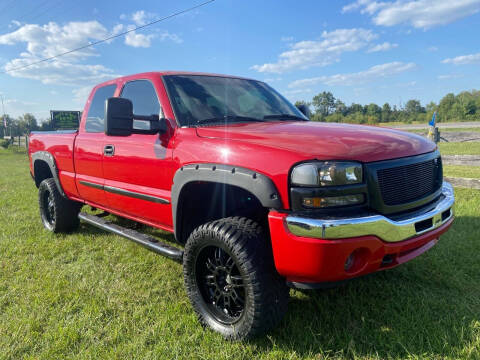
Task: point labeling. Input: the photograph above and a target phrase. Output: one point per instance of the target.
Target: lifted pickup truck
(261, 198)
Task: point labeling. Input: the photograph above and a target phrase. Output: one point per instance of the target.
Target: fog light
(356, 261)
(332, 201)
(350, 261)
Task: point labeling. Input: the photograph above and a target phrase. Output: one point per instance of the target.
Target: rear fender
(48, 158)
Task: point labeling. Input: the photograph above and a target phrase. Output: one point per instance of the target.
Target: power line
(110, 37)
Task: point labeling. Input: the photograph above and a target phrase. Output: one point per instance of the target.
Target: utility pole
(5, 119)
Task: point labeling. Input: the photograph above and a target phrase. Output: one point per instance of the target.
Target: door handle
(109, 150)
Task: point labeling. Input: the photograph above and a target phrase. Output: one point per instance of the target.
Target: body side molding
(133, 194)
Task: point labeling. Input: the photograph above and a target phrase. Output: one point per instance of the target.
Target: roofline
(168, 72)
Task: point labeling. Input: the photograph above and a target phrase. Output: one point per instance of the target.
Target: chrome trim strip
(377, 225)
(133, 194)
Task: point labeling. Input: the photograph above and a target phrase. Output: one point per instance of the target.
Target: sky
(362, 51)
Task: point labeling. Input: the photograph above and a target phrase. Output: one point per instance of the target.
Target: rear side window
(96, 112)
(144, 100)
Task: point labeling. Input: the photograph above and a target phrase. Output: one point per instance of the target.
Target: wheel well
(201, 202)
(41, 171)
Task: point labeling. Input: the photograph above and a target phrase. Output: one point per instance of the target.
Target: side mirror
(119, 119)
(304, 109)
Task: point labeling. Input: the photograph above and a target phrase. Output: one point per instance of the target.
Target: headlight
(328, 173)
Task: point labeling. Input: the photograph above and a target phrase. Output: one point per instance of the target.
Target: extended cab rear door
(89, 147)
(137, 170)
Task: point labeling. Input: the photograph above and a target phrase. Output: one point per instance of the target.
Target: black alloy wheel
(220, 284)
(58, 214)
(231, 279)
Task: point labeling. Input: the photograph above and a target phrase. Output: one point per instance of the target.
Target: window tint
(143, 96)
(144, 99)
(196, 98)
(96, 112)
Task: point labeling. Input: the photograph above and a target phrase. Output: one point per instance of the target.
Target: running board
(142, 239)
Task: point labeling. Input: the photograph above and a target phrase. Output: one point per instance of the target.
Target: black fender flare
(50, 161)
(258, 184)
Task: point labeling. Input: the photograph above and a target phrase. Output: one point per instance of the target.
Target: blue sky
(361, 50)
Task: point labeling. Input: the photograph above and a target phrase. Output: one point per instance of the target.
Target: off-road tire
(57, 213)
(265, 291)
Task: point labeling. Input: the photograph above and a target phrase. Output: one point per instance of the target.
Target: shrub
(4, 143)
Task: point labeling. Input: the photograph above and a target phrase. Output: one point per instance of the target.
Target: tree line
(21, 125)
(464, 106)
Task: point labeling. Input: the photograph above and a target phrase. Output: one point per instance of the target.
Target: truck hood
(324, 141)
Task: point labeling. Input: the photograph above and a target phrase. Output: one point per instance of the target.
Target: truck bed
(60, 144)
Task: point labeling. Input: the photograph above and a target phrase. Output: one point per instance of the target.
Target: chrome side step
(146, 241)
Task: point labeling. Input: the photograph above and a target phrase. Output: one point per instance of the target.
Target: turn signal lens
(332, 201)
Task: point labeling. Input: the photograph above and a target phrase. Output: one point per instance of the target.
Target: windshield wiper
(284, 117)
(227, 118)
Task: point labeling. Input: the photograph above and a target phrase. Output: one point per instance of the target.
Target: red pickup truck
(259, 198)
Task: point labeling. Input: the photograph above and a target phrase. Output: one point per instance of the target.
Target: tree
(301, 102)
(386, 112)
(324, 103)
(445, 106)
(373, 110)
(340, 107)
(29, 122)
(413, 107)
(470, 107)
(355, 108)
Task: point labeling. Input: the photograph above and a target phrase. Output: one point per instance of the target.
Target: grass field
(90, 295)
(472, 172)
(460, 148)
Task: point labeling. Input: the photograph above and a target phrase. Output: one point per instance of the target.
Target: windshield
(202, 99)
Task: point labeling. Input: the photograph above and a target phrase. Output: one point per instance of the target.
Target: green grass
(91, 295)
(460, 148)
(472, 172)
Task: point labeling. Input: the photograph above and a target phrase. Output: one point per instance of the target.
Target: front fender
(258, 184)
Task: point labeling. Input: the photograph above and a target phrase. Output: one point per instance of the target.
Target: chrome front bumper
(376, 225)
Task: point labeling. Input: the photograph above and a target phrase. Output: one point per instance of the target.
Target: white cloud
(296, 91)
(422, 14)
(140, 17)
(382, 47)
(81, 94)
(432, 48)
(449, 76)
(60, 72)
(165, 35)
(287, 38)
(44, 41)
(270, 80)
(308, 53)
(138, 40)
(52, 39)
(369, 75)
(463, 59)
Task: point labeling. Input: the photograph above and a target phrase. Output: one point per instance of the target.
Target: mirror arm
(157, 124)
(151, 118)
